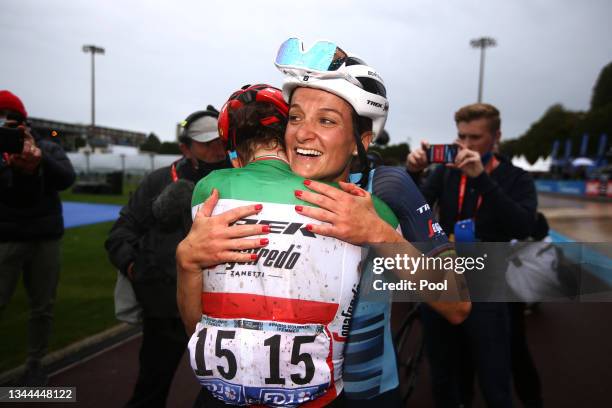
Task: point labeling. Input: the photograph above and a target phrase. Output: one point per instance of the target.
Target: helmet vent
(373, 86)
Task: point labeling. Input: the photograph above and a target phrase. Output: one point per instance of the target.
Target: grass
(92, 198)
(84, 304)
(122, 199)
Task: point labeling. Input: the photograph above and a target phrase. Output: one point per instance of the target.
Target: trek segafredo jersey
(273, 331)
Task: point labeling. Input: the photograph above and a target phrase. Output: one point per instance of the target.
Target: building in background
(74, 136)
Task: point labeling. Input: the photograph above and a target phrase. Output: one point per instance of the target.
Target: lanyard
(173, 173)
(462, 183)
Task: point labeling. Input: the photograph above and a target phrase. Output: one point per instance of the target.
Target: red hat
(10, 101)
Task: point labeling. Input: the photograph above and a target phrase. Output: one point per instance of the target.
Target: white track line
(94, 355)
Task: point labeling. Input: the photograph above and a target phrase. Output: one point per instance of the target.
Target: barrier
(569, 187)
(110, 162)
(598, 188)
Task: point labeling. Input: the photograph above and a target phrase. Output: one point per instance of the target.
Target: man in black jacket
(484, 193)
(142, 245)
(31, 228)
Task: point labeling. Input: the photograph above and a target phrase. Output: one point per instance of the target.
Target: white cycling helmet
(327, 67)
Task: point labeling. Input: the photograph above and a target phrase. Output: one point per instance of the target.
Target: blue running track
(78, 214)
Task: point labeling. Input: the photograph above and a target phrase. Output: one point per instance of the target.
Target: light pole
(93, 50)
(482, 43)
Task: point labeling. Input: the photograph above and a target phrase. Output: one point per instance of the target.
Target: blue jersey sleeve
(419, 226)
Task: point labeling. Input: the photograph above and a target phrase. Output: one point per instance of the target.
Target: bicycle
(410, 349)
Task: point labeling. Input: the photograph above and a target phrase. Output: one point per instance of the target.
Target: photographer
(31, 225)
(481, 196)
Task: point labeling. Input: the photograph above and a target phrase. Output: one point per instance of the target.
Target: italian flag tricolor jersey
(273, 331)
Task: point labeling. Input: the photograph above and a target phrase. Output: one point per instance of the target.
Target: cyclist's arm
(212, 240)
(419, 226)
(348, 214)
(454, 312)
(351, 217)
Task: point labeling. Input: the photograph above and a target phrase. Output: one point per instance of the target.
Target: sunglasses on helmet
(321, 61)
(323, 56)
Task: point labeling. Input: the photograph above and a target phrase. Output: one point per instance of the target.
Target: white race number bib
(244, 361)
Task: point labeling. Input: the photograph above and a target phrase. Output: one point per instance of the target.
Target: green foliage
(79, 142)
(169, 148)
(128, 188)
(152, 144)
(557, 123)
(393, 155)
(595, 123)
(602, 92)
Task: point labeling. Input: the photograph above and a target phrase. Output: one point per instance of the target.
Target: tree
(169, 148)
(557, 123)
(79, 142)
(393, 155)
(152, 144)
(602, 92)
(594, 124)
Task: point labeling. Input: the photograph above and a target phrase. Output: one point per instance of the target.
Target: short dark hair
(476, 111)
(246, 121)
(186, 140)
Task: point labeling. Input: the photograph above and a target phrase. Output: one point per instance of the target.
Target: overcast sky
(167, 59)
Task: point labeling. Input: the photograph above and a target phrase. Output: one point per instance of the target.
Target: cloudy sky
(165, 59)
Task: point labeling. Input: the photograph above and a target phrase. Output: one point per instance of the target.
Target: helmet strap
(361, 152)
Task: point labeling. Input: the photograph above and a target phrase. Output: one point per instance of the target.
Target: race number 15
(273, 342)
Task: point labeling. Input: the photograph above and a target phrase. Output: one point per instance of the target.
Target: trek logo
(279, 227)
(374, 74)
(378, 105)
(423, 208)
(434, 228)
(271, 258)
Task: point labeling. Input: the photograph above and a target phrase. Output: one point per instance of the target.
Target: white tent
(541, 165)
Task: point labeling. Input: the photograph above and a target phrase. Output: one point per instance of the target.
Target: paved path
(570, 343)
(581, 220)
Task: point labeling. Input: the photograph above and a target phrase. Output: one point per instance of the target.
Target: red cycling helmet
(244, 96)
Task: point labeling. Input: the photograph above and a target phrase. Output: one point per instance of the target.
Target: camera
(442, 153)
(11, 138)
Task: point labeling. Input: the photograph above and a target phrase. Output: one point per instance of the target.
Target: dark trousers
(524, 373)
(163, 343)
(38, 262)
(481, 345)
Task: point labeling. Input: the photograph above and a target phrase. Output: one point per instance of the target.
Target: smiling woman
(281, 319)
(337, 106)
(319, 135)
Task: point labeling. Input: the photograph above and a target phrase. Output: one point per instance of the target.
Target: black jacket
(30, 207)
(509, 201)
(147, 233)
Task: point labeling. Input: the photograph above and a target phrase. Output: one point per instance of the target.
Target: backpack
(539, 271)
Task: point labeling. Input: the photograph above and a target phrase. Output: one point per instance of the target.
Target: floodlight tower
(93, 49)
(482, 43)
